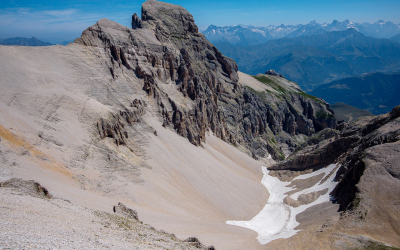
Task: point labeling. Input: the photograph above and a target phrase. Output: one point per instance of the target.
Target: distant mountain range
(317, 59)
(347, 113)
(23, 41)
(247, 35)
(396, 38)
(59, 41)
(251, 35)
(376, 92)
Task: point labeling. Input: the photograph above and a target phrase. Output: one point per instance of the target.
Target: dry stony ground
(50, 100)
(29, 222)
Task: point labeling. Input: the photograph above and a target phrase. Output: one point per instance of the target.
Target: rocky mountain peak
(313, 23)
(167, 20)
(198, 89)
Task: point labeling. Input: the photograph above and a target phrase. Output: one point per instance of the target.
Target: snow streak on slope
(277, 219)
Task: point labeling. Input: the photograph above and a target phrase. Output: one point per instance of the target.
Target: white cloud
(60, 12)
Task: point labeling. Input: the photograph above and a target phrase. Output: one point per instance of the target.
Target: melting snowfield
(277, 219)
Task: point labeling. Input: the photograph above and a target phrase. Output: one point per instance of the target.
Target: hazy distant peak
(23, 41)
(350, 30)
(251, 35)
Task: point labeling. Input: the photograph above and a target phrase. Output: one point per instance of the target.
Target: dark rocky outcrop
(136, 22)
(165, 47)
(113, 128)
(195, 242)
(273, 73)
(319, 150)
(30, 187)
(123, 210)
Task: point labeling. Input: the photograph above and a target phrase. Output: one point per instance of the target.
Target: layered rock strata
(114, 126)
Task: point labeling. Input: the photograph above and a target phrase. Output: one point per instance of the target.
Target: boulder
(123, 210)
(30, 187)
(273, 73)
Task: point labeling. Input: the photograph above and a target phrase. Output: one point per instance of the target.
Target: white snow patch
(278, 220)
(258, 31)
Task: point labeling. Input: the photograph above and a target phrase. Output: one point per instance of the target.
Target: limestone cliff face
(165, 50)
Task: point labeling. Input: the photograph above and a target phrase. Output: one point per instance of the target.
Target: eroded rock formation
(114, 126)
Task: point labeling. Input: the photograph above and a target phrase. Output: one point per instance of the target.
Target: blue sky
(65, 20)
